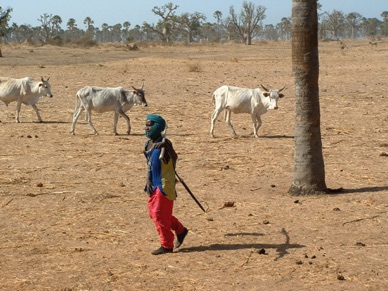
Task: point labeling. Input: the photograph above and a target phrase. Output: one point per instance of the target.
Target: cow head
(45, 88)
(141, 100)
(274, 95)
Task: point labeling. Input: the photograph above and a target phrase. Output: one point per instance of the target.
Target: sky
(136, 12)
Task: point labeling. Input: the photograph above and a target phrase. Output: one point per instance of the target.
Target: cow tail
(77, 102)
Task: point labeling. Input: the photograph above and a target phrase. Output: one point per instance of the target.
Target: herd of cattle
(255, 101)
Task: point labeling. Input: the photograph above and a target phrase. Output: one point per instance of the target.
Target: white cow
(24, 91)
(256, 102)
(104, 99)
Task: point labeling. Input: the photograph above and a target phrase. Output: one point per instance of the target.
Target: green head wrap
(158, 126)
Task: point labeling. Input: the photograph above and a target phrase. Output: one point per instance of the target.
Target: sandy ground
(73, 214)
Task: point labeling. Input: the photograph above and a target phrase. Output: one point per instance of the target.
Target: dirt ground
(73, 214)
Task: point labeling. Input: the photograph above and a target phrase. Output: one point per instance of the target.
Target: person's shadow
(281, 249)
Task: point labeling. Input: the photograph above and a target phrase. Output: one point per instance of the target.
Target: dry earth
(73, 213)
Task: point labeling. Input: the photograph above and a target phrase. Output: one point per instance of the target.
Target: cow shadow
(53, 122)
(281, 249)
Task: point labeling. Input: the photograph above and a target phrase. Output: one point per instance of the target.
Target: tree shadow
(364, 190)
(265, 136)
(281, 249)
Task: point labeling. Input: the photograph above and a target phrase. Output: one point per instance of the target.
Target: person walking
(160, 185)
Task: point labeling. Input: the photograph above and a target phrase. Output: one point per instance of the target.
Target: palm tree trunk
(309, 172)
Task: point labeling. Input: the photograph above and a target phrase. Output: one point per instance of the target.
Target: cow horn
(142, 86)
(42, 79)
(282, 88)
(264, 88)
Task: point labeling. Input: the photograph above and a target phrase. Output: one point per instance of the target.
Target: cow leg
(227, 119)
(37, 112)
(258, 123)
(76, 114)
(256, 120)
(215, 115)
(18, 106)
(122, 113)
(115, 121)
(89, 115)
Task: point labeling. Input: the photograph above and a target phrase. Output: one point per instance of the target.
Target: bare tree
(335, 22)
(353, 20)
(309, 170)
(164, 27)
(249, 20)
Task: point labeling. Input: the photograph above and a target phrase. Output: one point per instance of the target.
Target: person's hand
(148, 187)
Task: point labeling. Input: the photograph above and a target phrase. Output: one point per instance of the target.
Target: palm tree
(89, 25)
(309, 170)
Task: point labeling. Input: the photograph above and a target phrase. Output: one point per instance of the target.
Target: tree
(4, 18)
(218, 16)
(164, 27)
(89, 26)
(309, 170)
(335, 21)
(353, 20)
(190, 23)
(126, 34)
(248, 23)
(46, 23)
(285, 27)
(384, 15)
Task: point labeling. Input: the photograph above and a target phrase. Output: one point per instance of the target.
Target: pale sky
(137, 11)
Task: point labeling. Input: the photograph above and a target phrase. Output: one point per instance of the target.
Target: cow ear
(41, 78)
(266, 94)
(281, 95)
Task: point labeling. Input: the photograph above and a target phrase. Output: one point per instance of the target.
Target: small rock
(29, 136)
(340, 277)
(299, 262)
(261, 252)
(296, 201)
(229, 204)
(336, 209)
(360, 244)
(40, 184)
(265, 221)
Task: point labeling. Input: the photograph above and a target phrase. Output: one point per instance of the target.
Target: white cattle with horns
(255, 101)
(24, 91)
(104, 99)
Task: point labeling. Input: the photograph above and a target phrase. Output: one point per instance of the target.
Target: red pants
(160, 210)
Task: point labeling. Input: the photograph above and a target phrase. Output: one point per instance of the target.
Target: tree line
(243, 26)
